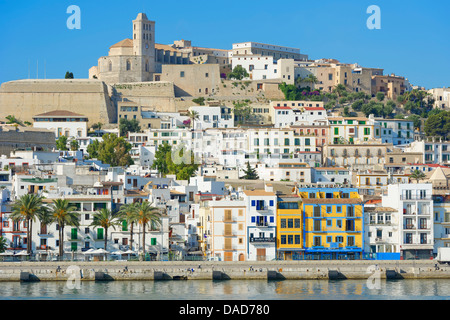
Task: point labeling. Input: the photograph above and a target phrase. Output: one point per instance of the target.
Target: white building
(212, 117)
(285, 171)
(287, 113)
(414, 206)
(63, 123)
(261, 224)
(395, 131)
(382, 232)
(434, 150)
(331, 175)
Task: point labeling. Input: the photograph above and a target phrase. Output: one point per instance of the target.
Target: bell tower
(144, 42)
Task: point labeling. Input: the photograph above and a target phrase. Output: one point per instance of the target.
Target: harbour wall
(219, 271)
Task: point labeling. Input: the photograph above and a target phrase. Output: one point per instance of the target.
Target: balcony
(415, 197)
(229, 247)
(409, 227)
(262, 208)
(229, 219)
(262, 240)
(229, 233)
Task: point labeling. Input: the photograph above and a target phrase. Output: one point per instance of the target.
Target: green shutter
(74, 235)
(153, 242)
(100, 234)
(124, 225)
(336, 131)
(73, 246)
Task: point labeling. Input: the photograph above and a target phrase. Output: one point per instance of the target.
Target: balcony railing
(415, 197)
(262, 239)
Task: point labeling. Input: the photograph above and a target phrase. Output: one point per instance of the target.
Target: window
(290, 223)
(181, 74)
(283, 239)
(350, 241)
(317, 241)
(283, 223)
(290, 239)
(317, 225)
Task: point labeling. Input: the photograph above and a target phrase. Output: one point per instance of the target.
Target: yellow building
(289, 231)
(333, 223)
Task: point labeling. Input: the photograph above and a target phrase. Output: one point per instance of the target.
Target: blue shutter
(253, 203)
(271, 203)
(253, 219)
(271, 219)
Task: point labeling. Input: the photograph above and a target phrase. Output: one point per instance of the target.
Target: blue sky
(413, 40)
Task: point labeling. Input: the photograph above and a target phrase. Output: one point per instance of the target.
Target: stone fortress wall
(27, 98)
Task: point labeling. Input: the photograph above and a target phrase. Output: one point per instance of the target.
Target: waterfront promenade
(189, 270)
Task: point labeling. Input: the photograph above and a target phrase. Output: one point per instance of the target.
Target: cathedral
(137, 59)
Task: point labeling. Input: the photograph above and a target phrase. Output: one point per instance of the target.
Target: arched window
(128, 65)
(109, 66)
(146, 66)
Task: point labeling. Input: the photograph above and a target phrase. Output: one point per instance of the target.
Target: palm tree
(105, 219)
(193, 115)
(128, 213)
(27, 208)
(64, 214)
(147, 215)
(13, 120)
(46, 218)
(418, 175)
(311, 79)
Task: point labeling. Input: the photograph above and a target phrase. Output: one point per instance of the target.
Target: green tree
(69, 75)
(105, 218)
(64, 214)
(3, 244)
(74, 145)
(61, 143)
(184, 167)
(417, 175)
(126, 126)
(438, 125)
(147, 216)
(162, 158)
(380, 96)
(92, 149)
(114, 151)
(250, 173)
(346, 111)
(242, 112)
(417, 121)
(238, 73)
(200, 101)
(27, 208)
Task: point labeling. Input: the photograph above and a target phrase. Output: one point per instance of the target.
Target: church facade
(136, 59)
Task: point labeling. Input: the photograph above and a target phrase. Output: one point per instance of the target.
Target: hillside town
(173, 152)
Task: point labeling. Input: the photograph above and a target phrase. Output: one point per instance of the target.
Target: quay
(221, 271)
